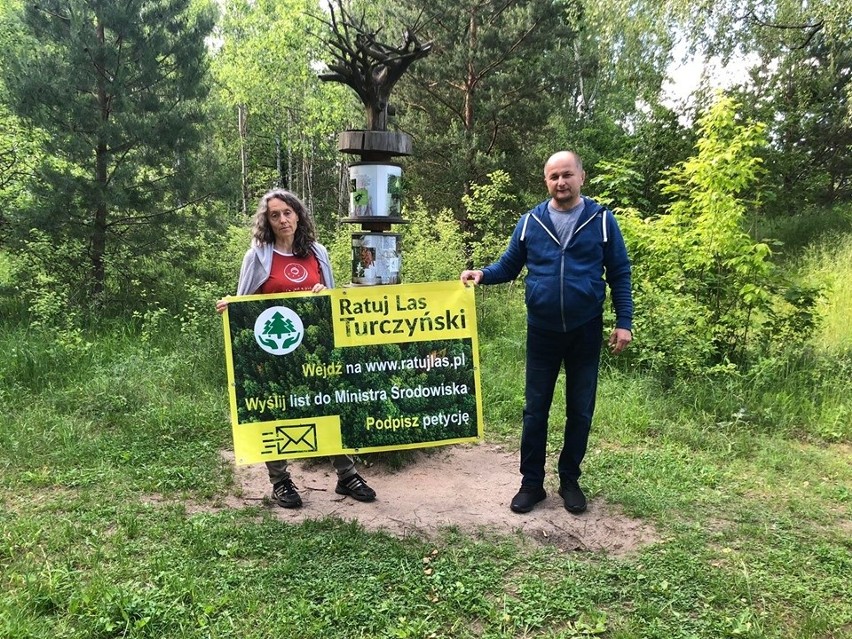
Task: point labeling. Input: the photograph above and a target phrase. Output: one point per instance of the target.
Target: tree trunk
(377, 118)
(470, 91)
(279, 168)
(97, 242)
(99, 228)
(241, 125)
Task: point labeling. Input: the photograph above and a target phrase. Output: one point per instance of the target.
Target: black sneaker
(284, 494)
(527, 498)
(355, 487)
(572, 495)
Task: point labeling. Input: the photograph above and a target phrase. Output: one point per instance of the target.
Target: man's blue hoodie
(565, 288)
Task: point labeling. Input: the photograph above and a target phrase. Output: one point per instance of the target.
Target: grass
(829, 265)
(809, 227)
(104, 447)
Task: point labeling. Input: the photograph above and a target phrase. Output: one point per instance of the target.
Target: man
(570, 245)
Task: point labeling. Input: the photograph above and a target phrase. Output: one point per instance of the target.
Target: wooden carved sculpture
(370, 67)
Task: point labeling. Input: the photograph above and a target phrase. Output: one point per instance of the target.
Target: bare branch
(808, 29)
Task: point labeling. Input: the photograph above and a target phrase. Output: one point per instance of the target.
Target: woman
(286, 257)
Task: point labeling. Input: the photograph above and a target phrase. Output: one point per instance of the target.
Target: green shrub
(432, 245)
(697, 266)
(671, 335)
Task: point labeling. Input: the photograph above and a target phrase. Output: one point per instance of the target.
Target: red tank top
(290, 273)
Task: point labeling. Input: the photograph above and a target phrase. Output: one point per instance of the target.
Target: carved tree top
(370, 67)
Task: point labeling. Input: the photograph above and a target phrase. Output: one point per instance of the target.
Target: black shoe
(527, 498)
(572, 495)
(284, 494)
(355, 487)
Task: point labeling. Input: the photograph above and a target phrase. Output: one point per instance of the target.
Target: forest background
(136, 139)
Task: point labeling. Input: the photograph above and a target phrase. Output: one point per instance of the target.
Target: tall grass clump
(799, 393)
(829, 265)
(813, 226)
(501, 319)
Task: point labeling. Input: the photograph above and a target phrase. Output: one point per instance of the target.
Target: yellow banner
(350, 370)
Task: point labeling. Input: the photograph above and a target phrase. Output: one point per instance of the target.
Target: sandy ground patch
(464, 486)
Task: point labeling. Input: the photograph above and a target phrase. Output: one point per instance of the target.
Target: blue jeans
(579, 350)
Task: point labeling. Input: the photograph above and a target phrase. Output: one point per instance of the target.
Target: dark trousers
(579, 350)
(343, 464)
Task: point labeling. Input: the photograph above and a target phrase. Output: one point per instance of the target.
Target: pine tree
(484, 94)
(117, 88)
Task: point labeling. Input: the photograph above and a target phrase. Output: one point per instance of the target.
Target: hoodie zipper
(564, 253)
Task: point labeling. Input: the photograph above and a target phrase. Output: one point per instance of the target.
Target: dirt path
(468, 487)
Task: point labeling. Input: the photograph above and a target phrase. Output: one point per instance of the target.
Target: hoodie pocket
(542, 298)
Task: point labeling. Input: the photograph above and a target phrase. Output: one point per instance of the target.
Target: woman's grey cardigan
(257, 265)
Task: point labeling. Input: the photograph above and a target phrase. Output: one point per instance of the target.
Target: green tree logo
(278, 330)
